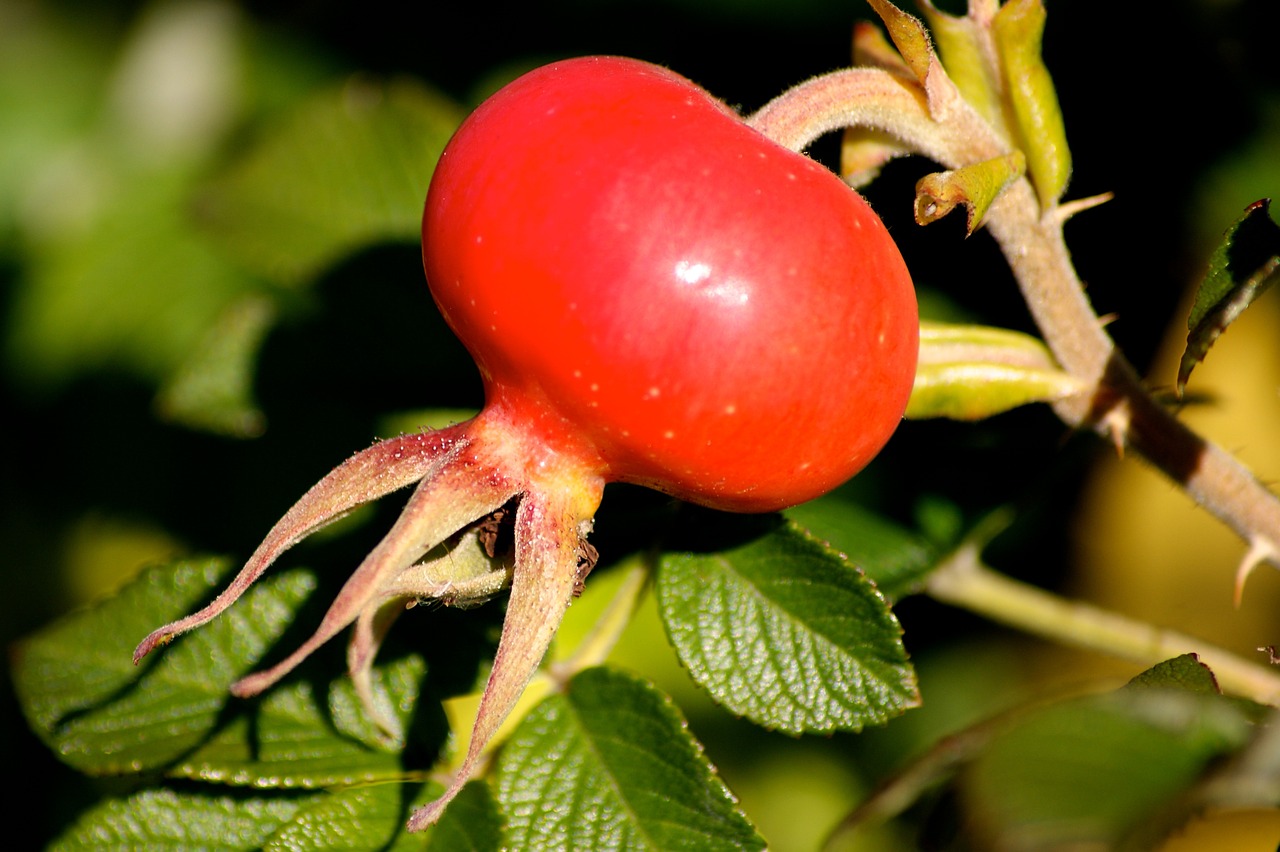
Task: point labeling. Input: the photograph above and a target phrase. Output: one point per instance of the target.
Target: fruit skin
(658, 289)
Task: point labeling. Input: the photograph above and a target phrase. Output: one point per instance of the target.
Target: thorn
(1063, 212)
(1117, 424)
(1260, 550)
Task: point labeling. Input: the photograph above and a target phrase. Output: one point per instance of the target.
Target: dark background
(1156, 96)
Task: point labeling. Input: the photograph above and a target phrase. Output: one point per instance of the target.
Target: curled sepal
(450, 499)
(909, 36)
(1240, 270)
(463, 572)
(914, 45)
(385, 467)
(551, 557)
(1037, 119)
(975, 186)
(872, 50)
(964, 46)
(970, 372)
(864, 150)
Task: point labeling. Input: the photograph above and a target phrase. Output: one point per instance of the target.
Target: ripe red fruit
(666, 293)
(654, 293)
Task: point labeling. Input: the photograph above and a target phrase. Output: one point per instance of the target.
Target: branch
(1115, 403)
(962, 580)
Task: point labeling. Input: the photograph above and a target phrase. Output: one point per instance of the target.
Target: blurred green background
(202, 310)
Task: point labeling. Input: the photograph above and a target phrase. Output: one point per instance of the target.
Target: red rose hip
(667, 290)
(654, 293)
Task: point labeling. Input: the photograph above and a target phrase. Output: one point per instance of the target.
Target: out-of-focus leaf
(609, 764)
(786, 632)
(892, 557)
(136, 290)
(84, 697)
(1240, 270)
(1183, 672)
(969, 372)
(213, 389)
(52, 69)
(1252, 778)
(163, 819)
(368, 817)
(348, 168)
(422, 420)
(1091, 772)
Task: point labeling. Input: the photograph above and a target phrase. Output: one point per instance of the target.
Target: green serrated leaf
(367, 817)
(134, 290)
(84, 697)
(1182, 672)
(163, 819)
(1241, 269)
(609, 764)
(972, 372)
(1090, 772)
(892, 557)
(349, 168)
(787, 633)
(288, 740)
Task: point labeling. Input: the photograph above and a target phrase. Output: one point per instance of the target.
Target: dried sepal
(551, 522)
(452, 498)
(911, 38)
(381, 469)
(975, 187)
(461, 572)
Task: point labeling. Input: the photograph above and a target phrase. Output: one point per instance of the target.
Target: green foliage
(84, 696)
(609, 764)
(783, 631)
(186, 267)
(163, 818)
(1242, 268)
(1098, 769)
(348, 167)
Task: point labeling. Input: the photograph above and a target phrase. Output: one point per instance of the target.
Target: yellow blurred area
(101, 553)
(1228, 831)
(1144, 549)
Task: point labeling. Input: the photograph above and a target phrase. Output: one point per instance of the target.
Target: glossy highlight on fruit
(654, 293)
